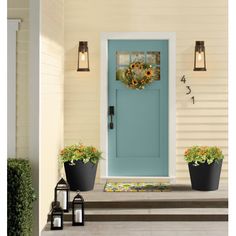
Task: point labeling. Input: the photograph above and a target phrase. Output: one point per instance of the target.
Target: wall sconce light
(83, 56)
(199, 57)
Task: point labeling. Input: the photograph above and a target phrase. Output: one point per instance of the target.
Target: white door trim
(170, 36)
(12, 28)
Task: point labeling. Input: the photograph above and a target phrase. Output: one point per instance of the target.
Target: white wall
(20, 10)
(27, 106)
(204, 123)
(51, 100)
(40, 117)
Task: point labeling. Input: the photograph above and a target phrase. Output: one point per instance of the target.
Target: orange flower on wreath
(137, 64)
(132, 66)
(149, 73)
(142, 81)
(134, 82)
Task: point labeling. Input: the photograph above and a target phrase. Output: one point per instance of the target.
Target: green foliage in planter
(202, 154)
(80, 152)
(20, 197)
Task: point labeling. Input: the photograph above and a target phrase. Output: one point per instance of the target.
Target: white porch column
(12, 27)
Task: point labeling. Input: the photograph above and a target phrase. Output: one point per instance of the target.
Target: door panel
(138, 143)
(129, 127)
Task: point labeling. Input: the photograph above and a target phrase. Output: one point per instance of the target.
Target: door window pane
(153, 58)
(120, 72)
(122, 58)
(137, 56)
(157, 73)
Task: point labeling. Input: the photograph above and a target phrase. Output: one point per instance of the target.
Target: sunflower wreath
(138, 75)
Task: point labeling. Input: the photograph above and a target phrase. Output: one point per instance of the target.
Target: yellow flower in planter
(204, 164)
(80, 162)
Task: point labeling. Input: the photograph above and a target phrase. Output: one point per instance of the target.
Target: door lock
(111, 113)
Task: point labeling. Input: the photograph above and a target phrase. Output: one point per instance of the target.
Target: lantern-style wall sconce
(61, 194)
(199, 57)
(78, 211)
(83, 56)
(56, 218)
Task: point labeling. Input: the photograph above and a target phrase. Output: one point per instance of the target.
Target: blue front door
(138, 135)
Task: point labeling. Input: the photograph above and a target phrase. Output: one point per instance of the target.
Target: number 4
(183, 79)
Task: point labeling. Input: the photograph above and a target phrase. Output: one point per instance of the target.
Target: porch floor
(178, 192)
(142, 229)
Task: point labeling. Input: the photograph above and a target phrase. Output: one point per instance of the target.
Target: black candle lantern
(56, 218)
(83, 56)
(199, 57)
(78, 211)
(61, 194)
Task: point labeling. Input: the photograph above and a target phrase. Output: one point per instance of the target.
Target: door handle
(111, 112)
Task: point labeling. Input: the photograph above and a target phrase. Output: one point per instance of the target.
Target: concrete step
(156, 203)
(180, 204)
(150, 214)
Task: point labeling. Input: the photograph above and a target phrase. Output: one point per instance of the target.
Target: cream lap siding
(205, 122)
(51, 99)
(20, 10)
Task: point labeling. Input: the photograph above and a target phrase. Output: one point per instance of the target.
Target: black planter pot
(80, 177)
(205, 177)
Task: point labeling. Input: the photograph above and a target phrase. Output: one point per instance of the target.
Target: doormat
(136, 187)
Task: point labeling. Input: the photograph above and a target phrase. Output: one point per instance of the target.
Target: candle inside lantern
(57, 221)
(62, 198)
(82, 56)
(78, 215)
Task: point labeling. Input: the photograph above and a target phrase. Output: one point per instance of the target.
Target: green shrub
(202, 154)
(20, 197)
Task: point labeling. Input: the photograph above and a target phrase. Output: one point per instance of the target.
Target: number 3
(189, 90)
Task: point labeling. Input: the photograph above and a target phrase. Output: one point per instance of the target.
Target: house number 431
(189, 91)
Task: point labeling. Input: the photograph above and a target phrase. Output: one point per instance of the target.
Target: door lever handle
(111, 112)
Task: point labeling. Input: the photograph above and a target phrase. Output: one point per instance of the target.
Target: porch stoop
(181, 204)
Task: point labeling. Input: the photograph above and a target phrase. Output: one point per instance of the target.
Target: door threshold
(160, 179)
